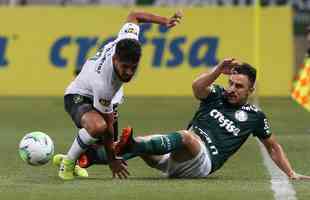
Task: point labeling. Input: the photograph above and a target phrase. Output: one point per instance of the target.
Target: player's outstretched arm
(279, 157)
(145, 17)
(117, 165)
(201, 84)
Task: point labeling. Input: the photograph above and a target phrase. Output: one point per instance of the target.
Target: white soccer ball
(36, 148)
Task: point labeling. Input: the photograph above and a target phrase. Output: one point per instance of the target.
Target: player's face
(238, 90)
(125, 70)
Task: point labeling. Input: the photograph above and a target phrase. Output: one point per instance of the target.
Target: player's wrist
(291, 174)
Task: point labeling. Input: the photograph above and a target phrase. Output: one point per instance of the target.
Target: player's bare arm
(117, 165)
(201, 85)
(144, 17)
(278, 155)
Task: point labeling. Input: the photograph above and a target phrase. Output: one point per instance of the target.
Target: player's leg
(96, 154)
(115, 123)
(179, 154)
(187, 150)
(182, 145)
(91, 125)
(151, 148)
(191, 161)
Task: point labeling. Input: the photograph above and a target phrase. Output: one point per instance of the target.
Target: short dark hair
(248, 70)
(128, 50)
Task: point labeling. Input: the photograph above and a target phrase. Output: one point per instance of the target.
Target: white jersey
(98, 79)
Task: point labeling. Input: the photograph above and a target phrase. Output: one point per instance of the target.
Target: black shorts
(76, 105)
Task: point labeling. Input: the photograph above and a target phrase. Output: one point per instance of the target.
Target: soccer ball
(36, 148)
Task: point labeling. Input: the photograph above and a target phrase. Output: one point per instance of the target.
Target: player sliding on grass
(89, 98)
(218, 129)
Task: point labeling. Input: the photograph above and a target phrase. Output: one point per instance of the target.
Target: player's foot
(78, 171)
(84, 161)
(125, 142)
(95, 154)
(66, 169)
(57, 159)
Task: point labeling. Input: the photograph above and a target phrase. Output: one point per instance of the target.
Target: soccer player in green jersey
(218, 129)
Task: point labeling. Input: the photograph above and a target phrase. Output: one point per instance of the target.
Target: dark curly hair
(128, 50)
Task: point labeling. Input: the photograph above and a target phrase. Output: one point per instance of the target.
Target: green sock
(159, 144)
(101, 156)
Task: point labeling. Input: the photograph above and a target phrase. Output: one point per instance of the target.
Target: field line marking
(280, 184)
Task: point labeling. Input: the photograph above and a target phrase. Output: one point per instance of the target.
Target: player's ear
(252, 88)
(115, 59)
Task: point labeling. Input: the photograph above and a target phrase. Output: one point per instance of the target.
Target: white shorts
(198, 167)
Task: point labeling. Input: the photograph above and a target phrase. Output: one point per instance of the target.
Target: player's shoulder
(250, 108)
(216, 89)
(129, 30)
(130, 27)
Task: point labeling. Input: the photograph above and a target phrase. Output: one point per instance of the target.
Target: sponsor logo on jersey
(249, 108)
(224, 122)
(212, 89)
(241, 115)
(104, 102)
(266, 126)
(131, 30)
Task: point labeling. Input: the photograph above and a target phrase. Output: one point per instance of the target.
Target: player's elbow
(133, 16)
(195, 93)
(196, 90)
(275, 150)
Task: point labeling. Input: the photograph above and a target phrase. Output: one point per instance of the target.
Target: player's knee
(139, 139)
(96, 128)
(188, 138)
(94, 124)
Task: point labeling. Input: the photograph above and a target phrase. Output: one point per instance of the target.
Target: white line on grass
(282, 188)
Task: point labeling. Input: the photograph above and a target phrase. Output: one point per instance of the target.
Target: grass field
(243, 177)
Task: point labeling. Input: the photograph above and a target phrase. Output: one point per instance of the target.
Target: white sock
(80, 144)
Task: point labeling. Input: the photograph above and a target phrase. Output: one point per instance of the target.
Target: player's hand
(228, 64)
(297, 176)
(119, 168)
(174, 20)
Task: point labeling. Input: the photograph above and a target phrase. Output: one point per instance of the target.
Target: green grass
(243, 177)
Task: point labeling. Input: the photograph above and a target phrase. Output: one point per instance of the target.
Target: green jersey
(224, 127)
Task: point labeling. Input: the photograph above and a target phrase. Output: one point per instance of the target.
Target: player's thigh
(76, 105)
(191, 147)
(83, 114)
(93, 122)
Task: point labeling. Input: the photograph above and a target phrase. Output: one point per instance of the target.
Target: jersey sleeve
(262, 130)
(129, 30)
(216, 92)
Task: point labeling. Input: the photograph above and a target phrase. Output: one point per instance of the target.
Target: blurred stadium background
(43, 43)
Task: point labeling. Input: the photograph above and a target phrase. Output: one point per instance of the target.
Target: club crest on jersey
(77, 99)
(104, 102)
(241, 115)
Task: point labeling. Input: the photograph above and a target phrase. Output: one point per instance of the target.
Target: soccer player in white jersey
(89, 98)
